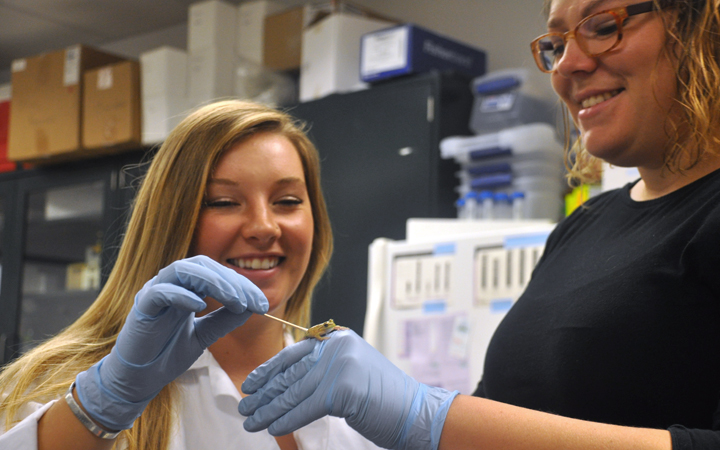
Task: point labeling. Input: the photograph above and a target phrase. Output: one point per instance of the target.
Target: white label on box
(71, 75)
(19, 65)
(105, 78)
(497, 103)
(384, 51)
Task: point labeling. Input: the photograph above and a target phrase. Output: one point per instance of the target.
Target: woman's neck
(243, 349)
(656, 183)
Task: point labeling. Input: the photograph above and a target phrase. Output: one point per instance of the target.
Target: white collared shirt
(208, 419)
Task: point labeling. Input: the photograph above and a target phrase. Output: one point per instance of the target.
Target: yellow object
(321, 331)
(578, 196)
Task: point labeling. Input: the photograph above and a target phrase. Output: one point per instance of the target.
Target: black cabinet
(380, 160)
(61, 227)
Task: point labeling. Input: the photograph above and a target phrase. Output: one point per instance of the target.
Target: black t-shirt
(621, 321)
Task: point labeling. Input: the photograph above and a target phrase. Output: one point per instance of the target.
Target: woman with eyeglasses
(615, 343)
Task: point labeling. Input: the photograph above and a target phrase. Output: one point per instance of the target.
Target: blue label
(501, 305)
(528, 240)
(434, 306)
(444, 249)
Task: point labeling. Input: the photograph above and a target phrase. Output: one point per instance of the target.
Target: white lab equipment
(435, 299)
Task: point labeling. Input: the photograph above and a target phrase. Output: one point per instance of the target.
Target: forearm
(59, 429)
(474, 422)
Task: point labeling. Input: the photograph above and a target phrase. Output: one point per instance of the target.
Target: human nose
(574, 59)
(261, 225)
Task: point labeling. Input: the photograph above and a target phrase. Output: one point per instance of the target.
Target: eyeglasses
(596, 34)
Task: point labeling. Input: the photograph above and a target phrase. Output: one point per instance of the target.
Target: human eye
(290, 201)
(600, 26)
(219, 203)
(552, 45)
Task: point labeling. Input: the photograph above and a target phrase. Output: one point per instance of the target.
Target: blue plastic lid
(485, 195)
(517, 194)
(501, 197)
(470, 195)
(460, 202)
(497, 85)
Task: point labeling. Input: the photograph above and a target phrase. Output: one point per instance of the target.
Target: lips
(256, 263)
(599, 98)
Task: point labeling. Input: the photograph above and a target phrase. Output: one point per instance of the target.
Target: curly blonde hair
(170, 198)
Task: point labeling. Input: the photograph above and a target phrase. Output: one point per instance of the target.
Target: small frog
(321, 331)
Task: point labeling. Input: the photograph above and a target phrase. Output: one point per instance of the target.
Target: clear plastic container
(525, 142)
(492, 177)
(485, 205)
(500, 103)
(502, 208)
(518, 205)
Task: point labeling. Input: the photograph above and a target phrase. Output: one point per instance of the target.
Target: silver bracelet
(85, 419)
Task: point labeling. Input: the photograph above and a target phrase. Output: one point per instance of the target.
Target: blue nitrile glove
(344, 376)
(162, 337)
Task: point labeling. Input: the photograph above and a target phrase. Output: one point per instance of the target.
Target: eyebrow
(281, 182)
(557, 23)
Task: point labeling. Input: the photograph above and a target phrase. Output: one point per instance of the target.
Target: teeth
(592, 101)
(256, 263)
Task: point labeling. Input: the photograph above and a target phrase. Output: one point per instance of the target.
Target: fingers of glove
(277, 364)
(143, 337)
(304, 414)
(248, 296)
(280, 399)
(152, 301)
(217, 324)
(280, 384)
(204, 277)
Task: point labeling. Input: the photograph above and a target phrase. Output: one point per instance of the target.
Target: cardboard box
(5, 96)
(164, 72)
(283, 39)
(46, 114)
(284, 31)
(251, 28)
(211, 76)
(408, 49)
(111, 105)
(211, 24)
(331, 54)
(212, 28)
(164, 92)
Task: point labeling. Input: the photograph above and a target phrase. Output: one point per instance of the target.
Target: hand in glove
(344, 376)
(162, 337)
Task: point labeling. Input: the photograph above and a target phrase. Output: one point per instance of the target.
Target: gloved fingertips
(252, 426)
(248, 405)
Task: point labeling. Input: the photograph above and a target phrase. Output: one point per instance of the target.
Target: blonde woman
(615, 343)
(229, 224)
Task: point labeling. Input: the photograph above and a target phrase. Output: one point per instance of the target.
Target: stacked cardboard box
(212, 28)
(46, 117)
(111, 105)
(164, 92)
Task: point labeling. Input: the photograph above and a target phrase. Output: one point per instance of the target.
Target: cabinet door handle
(3, 340)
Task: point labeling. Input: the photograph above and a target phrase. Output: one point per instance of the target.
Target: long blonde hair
(160, 231)
(692, 32)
